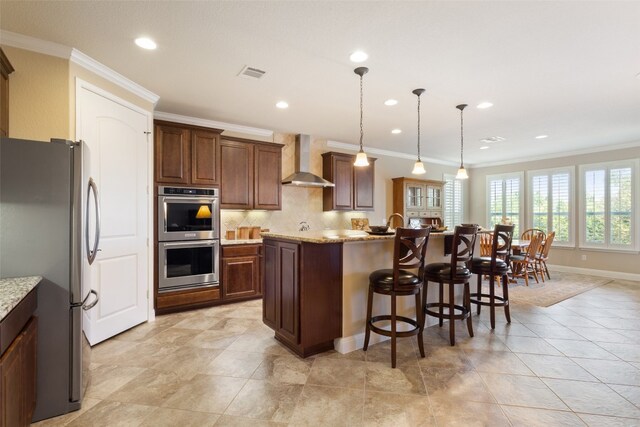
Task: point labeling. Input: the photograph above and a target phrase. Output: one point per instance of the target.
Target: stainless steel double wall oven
(188, 238)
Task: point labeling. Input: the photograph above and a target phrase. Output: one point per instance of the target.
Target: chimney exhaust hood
(302, 177)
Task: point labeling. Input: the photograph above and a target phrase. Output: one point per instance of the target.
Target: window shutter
(594, 211)
(620, 209)
(561, 206)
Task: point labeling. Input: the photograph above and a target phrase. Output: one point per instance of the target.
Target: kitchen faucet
(392, 215)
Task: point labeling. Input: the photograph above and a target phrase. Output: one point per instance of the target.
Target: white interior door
(116, 136)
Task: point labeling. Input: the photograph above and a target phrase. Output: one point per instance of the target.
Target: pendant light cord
(361, 128)
(461, 137)
(419, 128)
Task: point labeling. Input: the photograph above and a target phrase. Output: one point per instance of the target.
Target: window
(505, 200)
(551, 203)
(453, 201)
(608, 212)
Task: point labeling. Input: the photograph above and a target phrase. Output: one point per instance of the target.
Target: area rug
(559, 288)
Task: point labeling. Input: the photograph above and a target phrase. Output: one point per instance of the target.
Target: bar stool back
(452, 273)
(409, 251)
(495, 265)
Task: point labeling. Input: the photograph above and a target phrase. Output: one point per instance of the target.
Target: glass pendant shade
(418, 168)
(361, 159)
(462, 173)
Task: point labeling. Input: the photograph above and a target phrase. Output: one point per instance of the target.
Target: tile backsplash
(298, 203)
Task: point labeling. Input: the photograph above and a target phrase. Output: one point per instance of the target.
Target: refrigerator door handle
(91, 253)
(89, 306)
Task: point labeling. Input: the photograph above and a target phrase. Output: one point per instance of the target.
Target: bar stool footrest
(387, 333)
(464, 313)
(502, 303)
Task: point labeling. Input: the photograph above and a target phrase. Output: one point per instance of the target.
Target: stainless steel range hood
(302, 177)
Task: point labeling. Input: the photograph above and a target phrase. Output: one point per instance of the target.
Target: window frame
(521, 202)
(634, 164)
(446, 178)
(572, 211)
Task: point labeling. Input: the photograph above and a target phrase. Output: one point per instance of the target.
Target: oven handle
(191, 199)
(194, 243)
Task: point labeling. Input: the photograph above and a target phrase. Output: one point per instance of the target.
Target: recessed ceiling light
(146, 43)
(484, 105)
(492, 139)
(396, 131)
(542, 136)
(358, 56)
(282, 105)
(484, 147)
(390, 102)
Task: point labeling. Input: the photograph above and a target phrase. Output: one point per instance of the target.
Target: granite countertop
(225, 242)
(328, 236)
(13, 290)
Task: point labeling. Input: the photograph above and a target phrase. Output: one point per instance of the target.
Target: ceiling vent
(251, 73)
(492, 139)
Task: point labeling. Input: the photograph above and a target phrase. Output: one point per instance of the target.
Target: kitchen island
(315, 286)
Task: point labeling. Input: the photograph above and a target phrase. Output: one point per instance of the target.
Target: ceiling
(564, 69)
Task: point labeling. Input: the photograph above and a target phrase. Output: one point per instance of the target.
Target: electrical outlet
(584, 257)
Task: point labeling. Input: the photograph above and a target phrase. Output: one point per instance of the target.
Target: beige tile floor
(575, 363)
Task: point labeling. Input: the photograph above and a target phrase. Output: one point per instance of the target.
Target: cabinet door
(414, 196)
(434, 197)
(363, 182)
(173, 154)
(236, 175)
(29, 350)
(338, 169)
(288, 310)
(268, 178)
(12, 402)
(240, 277)
(269, 283)
(204, 156)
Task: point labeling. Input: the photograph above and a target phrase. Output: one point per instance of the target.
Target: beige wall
(38, 96)
(572, 257)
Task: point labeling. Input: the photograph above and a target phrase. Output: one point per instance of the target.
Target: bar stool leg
(452, 322)
(441, 320)
(492, 301)
(505, 295)
(420, 321)
(479, 293)
(393, 330)
(367, 332)
(467, 304)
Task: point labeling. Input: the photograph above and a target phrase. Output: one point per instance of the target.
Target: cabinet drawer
(241, 250)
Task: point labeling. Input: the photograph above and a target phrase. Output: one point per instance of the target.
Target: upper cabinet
(354, 186)
(417, 198)
(186, 154)
(5, 70)
(250, 174)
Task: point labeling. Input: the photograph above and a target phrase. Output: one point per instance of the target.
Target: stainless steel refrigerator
(49, 227)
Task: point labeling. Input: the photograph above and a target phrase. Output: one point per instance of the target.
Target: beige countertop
(13, 290)
(335, 236)
(225, 242)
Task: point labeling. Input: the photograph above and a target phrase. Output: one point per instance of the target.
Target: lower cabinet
(240, 271)
(18, 378)
(302, 294)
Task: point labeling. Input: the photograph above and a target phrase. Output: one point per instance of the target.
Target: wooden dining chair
(528, 233)
(524, 264)
(543, 256)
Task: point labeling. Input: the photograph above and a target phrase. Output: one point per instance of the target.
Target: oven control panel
(184, 191)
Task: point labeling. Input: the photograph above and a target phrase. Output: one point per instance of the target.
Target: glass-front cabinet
(419, 201)
(415, 196)
(434, 197)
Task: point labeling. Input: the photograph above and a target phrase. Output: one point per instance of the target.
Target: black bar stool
(409, 251)
(453, 273)
(496, 265)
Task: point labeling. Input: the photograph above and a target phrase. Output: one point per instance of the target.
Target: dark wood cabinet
(250, 174)
(18, 364)
(240, 272)
(5, 70)
(354, 186)
(302, 294)
(186, 154)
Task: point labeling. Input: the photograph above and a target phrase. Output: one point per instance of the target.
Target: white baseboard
(593, 272)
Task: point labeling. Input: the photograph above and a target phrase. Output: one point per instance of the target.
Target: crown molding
(45, 47)
(388, 153)
(212, 124)
(557, 155)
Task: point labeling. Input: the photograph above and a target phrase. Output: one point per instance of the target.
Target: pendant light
(462, 172)
(361, 157)
(418, 167)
